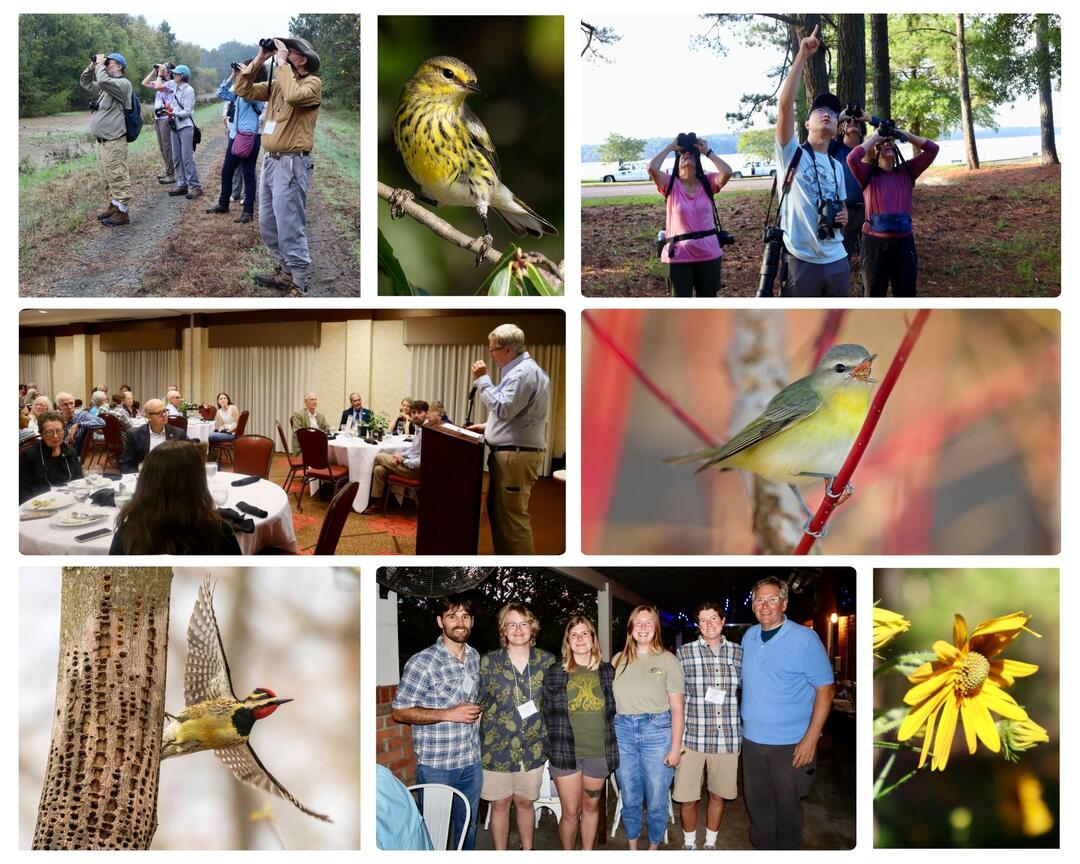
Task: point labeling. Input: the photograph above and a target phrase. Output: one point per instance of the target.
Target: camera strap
(789, 178)
(692, 235)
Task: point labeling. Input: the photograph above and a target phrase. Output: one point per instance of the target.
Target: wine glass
(94, 476)
(220, 494)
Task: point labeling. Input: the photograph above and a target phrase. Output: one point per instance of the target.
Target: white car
(757, 168)
(638, 170)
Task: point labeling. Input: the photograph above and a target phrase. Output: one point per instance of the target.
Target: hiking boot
(180, 190)
(194, 193)
(105, 214)
(236, 198)
(119, 218)
(217, 208)
(166, 179)
(278, 279)
(244, 218)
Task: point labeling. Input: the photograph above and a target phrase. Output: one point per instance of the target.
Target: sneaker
(217, 208)
(244, 218)
(708, 848)
(178, 191)
(194, 193)
(689, 847)
(105, 214)
(278, 279)
(118, 218)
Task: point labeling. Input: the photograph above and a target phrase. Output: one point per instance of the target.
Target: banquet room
(276, 431)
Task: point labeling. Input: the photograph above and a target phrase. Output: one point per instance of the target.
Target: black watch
(707, 155)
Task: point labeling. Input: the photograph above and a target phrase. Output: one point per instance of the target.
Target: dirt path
(173, 248)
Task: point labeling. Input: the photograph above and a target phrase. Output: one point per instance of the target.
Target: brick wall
(393, 742)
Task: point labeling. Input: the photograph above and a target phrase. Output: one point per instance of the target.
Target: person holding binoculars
(110, 97)
(159, 79)
(888, 180)
(693, 237)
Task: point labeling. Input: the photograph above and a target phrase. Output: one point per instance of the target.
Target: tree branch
(839, 483)
(440, 227)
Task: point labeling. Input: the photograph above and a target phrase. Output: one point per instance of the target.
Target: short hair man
(404, 464)
(711, 669)
(111, 93)
(288, 138)
(173, 409)
(437, 697)
(76, 423)
(356, 412)
(515, 433)
(814, 262)
(142, 439)
(787, 695)
(309, 418)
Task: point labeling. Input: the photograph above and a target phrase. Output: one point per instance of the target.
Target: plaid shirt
(434, 678)
(711, 728)
(560, 748)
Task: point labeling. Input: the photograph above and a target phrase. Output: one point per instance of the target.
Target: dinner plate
(76, 519)
(47, 501)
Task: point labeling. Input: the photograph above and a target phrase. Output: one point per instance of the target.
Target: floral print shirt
(509, 742)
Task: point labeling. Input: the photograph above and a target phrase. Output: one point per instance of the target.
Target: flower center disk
(973, 671)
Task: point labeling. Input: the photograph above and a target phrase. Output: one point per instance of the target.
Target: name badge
(467, 684)
(269, 127)
(715, 696)
(526, 709)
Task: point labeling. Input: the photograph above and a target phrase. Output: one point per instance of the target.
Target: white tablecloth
(360, 457)
(38, 537)
(199, 430)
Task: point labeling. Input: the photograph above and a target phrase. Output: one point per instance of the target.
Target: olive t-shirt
(585, 704)
(643, 686)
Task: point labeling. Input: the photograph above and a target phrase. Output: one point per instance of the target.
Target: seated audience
(116, 408)
(76, 423)
(175, 400)
(402, 424)
(25, 432)
(356, 411)
(310, 418)
(48, 463)
(225, 420)
(406, 464)
(143, 439)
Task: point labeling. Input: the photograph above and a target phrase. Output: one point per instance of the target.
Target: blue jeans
(469, 781)
(644, 741)
(221, 437)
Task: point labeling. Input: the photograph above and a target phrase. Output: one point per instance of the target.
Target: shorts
(594, 767)
(722, 770)
(503, 784)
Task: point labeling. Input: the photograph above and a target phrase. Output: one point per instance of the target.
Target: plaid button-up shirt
(560, 749)
(434, 678)
(712, 728)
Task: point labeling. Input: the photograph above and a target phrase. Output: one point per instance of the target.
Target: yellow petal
(942, 678)
(1003, 623)
(928, 739)
(1009, 670)
(968, 723)
(982, 723)
(1000, 702)
(959, 631)
(945, 732)
(923, 672)
(948, 653)
(916, 717)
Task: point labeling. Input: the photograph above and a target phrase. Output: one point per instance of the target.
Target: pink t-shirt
(687, 213)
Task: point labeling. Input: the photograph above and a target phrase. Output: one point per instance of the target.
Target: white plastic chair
(437, 804)
(618, 807)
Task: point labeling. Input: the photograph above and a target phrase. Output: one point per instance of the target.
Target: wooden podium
(451, 486)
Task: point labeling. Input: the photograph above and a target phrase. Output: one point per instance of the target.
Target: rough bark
(879, 51)
(757, 362)
(815, 73)
(1046, 98)
(967, 120)
(851, 58)
(101, 781)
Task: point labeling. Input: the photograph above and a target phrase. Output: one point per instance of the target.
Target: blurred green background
(979, 801)
(518, 61)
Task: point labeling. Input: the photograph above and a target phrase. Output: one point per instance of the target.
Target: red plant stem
(650, 385)
(828, 503)
(827, 335)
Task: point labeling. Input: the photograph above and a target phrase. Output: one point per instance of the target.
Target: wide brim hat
(302, 46)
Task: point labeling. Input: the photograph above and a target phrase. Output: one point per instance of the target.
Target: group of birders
(845, 205)
(271, 104)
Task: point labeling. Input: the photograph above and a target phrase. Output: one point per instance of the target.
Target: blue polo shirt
(779, 682)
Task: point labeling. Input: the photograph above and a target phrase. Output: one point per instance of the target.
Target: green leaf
(500, 283)
(504, 261)
(390, 267)
(542, 285)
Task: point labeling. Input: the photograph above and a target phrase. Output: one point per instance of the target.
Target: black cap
(828, 100)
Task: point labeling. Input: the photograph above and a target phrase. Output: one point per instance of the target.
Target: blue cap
(119, 58)
(181, 70)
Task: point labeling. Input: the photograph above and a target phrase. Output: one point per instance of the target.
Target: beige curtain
(36, 369)
(270, 382)
(148, 373)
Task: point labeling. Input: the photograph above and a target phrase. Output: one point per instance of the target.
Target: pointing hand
(810, 44)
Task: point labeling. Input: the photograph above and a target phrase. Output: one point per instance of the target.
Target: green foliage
(618, 148)
(1003, 52)
(391, 268)
(336, 38)
(758, 142)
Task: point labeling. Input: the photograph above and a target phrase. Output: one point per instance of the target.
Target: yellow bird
(807, 429)
(449, 153)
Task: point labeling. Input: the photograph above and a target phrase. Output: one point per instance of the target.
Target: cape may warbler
(448, 151)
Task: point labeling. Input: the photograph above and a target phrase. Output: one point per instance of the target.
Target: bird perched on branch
(806, 430)
(449, 153)
(215, 718)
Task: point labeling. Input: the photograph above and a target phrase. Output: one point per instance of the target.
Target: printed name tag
(526, 709)
(715, 695)
(269, 128)
(467, 684)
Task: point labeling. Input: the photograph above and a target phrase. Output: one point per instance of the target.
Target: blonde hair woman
(579, 713)
(648, 690)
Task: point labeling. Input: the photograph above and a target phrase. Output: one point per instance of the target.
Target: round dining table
(39, 537)
(359, 456)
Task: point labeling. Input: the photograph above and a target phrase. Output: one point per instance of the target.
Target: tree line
(55, 48)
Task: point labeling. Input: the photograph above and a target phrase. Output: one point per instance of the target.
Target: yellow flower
(887, 626)
(966, 683)
(1020, 736)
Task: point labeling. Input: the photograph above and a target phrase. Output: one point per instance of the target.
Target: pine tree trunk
(879, 49)
(851, 58)
(1046, 99)
(101, 781)
(967, 120)
(757, 361)
(815, 74)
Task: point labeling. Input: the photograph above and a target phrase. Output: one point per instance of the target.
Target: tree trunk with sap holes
(101, 781)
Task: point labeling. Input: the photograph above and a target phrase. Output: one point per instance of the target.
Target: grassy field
(337, 147)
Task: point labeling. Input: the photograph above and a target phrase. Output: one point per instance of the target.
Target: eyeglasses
(153, 413)
(52, 433)
(518, 625)
(767, 601)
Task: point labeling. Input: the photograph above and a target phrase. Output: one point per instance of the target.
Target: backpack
(133, 118)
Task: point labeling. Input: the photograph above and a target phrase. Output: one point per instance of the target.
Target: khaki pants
(164, 143)
(112, 160)
(384, 464)
(511, 475)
